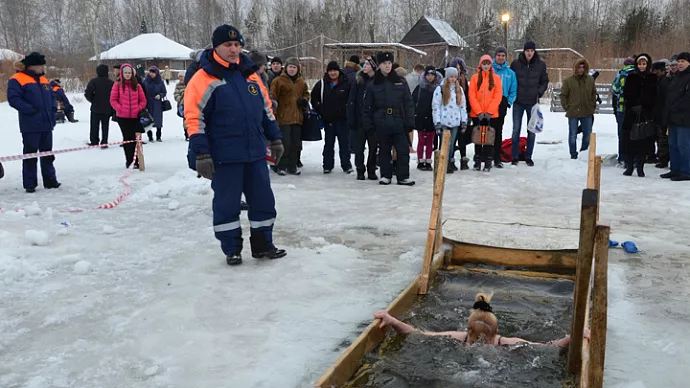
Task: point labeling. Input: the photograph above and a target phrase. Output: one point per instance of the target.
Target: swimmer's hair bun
(483, 297)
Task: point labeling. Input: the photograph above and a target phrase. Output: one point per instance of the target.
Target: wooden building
(437, 38)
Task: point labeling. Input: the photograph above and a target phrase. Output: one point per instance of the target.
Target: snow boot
(70, 117)
(299, 164)
(372, 176)
(498, 164)
(406, 182)
(234, 259)
(360, 176)
(281, 172)
(452, 165)
(150, 134)
(385, 181)
(158, 135)
(464, 163)
(514, 162)
(421, 166)
(477, 165)
(348, 170)
(640, 169)
(273, 253)
(449, 169)
(487, 166)
(668, 175)
(429, 167)
(52, 184)
(529, 162)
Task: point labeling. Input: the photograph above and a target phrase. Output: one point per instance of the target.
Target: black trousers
(129, 128)
(292, 140)
(498, 126)
(401, 142)
(99, 121)
(362, 138)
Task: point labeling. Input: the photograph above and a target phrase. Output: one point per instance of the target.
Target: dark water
(537, 310)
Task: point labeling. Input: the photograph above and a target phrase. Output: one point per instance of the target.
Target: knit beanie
(276, 60)
(258, 58)
(629, 61)
(530, 46)
(226, 33)
(684, 56)
(501, 49)
(430, 70)
(354, 59)
(292, 61)
(371, 63)
(451, 72)
(332, 65)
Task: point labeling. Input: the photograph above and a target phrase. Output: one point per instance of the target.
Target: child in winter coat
(422, 97)
(486, 93)
(179, 98)
(449, 109)
(128, 99)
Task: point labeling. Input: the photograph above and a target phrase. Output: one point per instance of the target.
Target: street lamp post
(505, 18)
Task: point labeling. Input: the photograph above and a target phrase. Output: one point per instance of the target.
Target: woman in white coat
(449, 109)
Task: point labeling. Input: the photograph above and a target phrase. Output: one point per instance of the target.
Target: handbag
(483, 135)
(642, 129)
(166, 105)
(145, 118)
(311, 129)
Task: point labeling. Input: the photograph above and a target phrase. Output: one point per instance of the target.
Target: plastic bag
(536, 122)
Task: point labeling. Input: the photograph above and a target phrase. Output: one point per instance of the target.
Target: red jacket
(127, 102)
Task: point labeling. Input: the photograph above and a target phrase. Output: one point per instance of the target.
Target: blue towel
(630, 247)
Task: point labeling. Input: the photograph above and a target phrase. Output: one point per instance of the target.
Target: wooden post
(591, 162)
(597, 347)
(140, 153)
(436, 204)
(588, 223)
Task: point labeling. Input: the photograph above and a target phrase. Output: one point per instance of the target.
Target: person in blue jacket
(229, 122)
(63, 101)
(509, 82)
(29, 92)
(155, 93)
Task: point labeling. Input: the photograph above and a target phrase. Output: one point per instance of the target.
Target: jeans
(518, 111)
(572, 135)
(679, 146)
(340, 131)
(619, 120)
(451, 145)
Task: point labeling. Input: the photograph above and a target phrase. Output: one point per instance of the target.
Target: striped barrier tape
(55, 152)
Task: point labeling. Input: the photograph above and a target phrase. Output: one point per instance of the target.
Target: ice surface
(37, 237)
(164, 297)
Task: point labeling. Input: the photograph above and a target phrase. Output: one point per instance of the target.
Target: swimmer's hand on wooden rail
(478, 329)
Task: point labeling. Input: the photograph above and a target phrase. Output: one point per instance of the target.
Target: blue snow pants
(230, 180)
(35, 142)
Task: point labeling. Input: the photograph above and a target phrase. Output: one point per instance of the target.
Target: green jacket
(578, 93)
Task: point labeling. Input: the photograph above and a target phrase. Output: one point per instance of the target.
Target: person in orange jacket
(485, 97)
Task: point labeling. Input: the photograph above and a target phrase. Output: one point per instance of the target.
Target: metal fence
(604, 91)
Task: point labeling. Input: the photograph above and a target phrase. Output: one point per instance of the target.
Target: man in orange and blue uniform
(229, 117)
(62, 99)
(28, 91)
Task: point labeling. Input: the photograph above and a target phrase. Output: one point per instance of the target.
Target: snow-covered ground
(140, 296)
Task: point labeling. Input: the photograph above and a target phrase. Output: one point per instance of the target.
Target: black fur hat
(34, 59)
(384, 56)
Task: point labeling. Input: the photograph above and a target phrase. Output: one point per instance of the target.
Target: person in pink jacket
(128, 99)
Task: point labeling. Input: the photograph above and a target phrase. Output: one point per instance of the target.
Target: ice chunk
(109, 229)
(82, 267)
(37, 237)
(33, 210)
(173, 205)
(150, 371)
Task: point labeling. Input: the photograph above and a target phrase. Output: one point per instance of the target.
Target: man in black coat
(388, 108)
(329, 98)
(532, 82)
(659, 70)
(677, 116)
(98, 94)
(362, 138)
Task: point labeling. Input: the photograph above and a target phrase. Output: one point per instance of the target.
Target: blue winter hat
(530, 46)
(226, 33)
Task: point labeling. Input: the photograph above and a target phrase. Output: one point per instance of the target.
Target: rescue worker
(228, 145)
(29, 92)
(388, 108)
(62, 100)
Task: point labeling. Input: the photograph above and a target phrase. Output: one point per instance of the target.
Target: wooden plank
(597, 181)
(512, 273)
(436, 204)
(588, 222)
(591, 161)
(479, 254)
(348, 362)
(597, 352)
(140, 153)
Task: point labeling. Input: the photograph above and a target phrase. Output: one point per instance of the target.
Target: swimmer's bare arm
(388, 320)
(561, 343)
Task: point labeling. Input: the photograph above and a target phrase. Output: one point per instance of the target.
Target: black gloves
(439, 128)
(204, 166)
(463, 127)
